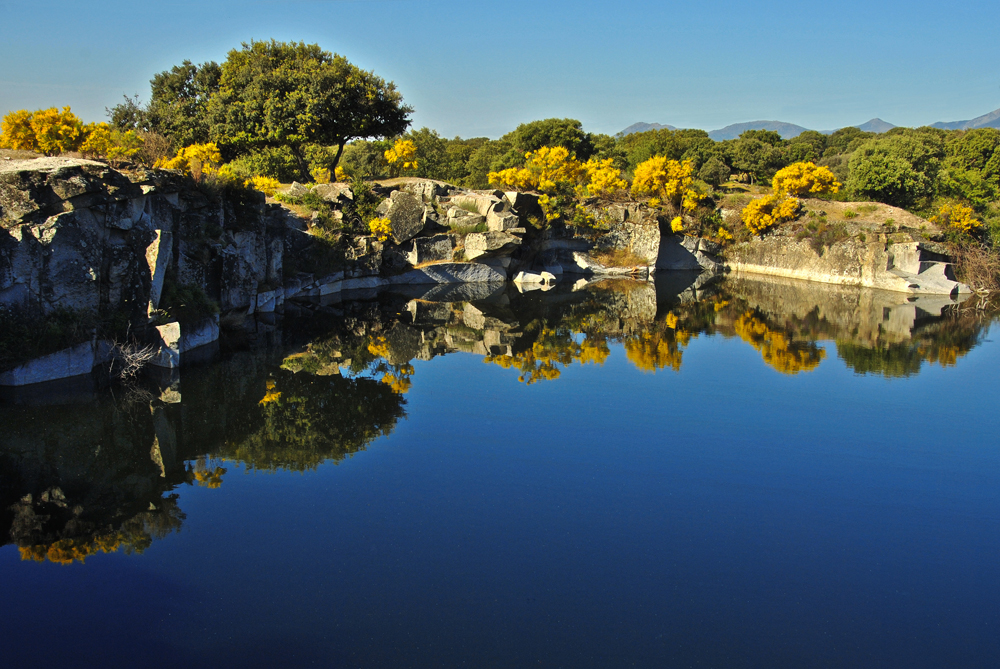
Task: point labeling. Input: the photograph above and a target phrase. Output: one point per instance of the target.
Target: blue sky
(478, 68)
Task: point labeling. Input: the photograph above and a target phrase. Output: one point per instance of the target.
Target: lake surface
(735, 473)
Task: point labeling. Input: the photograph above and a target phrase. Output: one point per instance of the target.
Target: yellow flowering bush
(402, 154)
(47, 131)
(543, 170)
(265, 185)
(320, 175)
(196, 160)
(667, 181)
(381, 228)
(957, 217)
(765, 212)
(803, 179)
(341, 175)
(16, 132)
(677, 225)
(603, 178)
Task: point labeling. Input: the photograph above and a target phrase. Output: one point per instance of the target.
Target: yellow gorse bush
(320, 175)
(957, 217)
(542, 170)
(266, 185)
(677, 225)
(603, 178)
(664, 180)
(16, 132)
(764, 212)
(803, 179)
(381, 228)
(47, 131)
(403, 153)
(196, 160)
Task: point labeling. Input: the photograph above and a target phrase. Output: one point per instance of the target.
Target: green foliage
(363, 159)
(186, 303)
(274, 162)
(846, 140)
(880, 172)
(178, 105)
(693, 145)
(565, 132)
(714, 172)
(755, 156)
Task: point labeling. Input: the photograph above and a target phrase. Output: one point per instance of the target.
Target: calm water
(730, 474)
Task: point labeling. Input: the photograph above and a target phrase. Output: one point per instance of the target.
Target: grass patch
(821, 235)
(468, 206)
(850, 213)
(619, 258)
(867, 208)
(466, 229)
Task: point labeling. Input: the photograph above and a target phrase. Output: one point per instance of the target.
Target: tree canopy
(286, 94)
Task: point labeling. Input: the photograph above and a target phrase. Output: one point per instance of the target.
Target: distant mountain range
(790, 130)
(991, 120)
(786, 130)
(644, 127)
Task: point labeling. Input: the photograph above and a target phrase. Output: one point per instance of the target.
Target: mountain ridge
(790, 130)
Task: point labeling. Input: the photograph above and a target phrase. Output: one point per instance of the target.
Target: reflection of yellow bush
(552, 348)
(945, 355)
(777, 349)
(210, 479)
(651, 351)
(68, 551)
(271, 395)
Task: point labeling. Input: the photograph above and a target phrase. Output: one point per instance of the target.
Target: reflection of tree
(942, 342)
(777, 348)
(894, 360)
(312, 419)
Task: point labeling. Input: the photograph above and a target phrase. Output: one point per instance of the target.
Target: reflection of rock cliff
(97, 476)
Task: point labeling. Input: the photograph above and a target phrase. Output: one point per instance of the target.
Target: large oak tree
(275, 94)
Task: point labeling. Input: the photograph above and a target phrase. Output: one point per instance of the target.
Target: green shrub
(277, 163)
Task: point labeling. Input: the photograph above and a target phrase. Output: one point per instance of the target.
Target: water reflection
(100, 475)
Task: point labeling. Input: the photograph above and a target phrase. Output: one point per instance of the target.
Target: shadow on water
(83, 472)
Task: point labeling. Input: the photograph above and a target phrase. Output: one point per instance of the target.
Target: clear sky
(478, 68)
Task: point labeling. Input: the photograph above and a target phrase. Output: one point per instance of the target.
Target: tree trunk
(303, 165)
(336, 159)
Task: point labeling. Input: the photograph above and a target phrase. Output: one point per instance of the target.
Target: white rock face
(176, 340)
(70, 362)
(450, 273)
